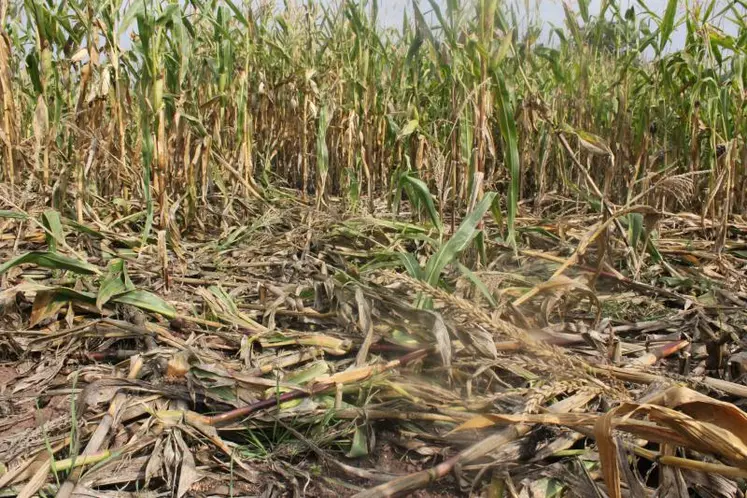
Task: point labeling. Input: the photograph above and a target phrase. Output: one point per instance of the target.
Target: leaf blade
(51, 260)
(467, 230)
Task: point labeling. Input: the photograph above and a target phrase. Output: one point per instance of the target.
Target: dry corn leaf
(705, 409)
(607, 447)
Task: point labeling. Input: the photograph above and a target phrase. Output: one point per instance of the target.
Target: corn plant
(170, 106)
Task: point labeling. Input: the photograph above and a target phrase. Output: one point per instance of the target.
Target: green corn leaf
(408, 129)
(423, 194)
(667, 24)
(83, 228)
(15, 215)
(116, 282)
(448, 32)
(322, 152)
(583, 8)
(226, 300)
(480, 245)
(359, 447)
(709, 10)
(458, 242)
(410, 262)
(136, 8)
(51, 221)
(196, 123)
(51, 260)
(495, 210)
(422, 25)
(279, 48)
(147, 301)
(308, 374)
(353, 188)
(110, 287)
(552, 56)
(635, 229)
(572, 23)
(224, 308)
(486, 17)
(46, 305)
(168, 14)
(501, 52)
(417, 42)
(593, 143)
(479, 284)
(67, 293)
(653, 250)
(466, 136)
(721, 40)
(510, 138)
(32, 65)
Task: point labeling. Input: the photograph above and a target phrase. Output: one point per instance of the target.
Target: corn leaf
(51, 221)
(667, 24)
(423, 194)
(510, 152)
(479, 284)
(458, 242)
(14, 215)
(51, 260)
(116, 282)
(593, 143)
(408, 129)
(46, 305)
(410, 262)
(80, 227)
(359, 447)
(147, 301)
(635, 229)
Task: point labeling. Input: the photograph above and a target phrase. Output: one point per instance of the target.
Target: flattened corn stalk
(347, 377)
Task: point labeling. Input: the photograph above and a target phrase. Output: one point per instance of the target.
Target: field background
(341, 107)
(346, 249)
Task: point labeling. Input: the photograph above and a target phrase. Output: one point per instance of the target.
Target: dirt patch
(25, 415)
(8, 374)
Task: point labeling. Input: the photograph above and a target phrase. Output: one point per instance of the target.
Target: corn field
(164, 105)
(262, 248)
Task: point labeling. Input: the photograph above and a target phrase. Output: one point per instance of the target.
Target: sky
(551, 12)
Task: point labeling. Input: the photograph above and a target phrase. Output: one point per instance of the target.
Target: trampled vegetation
(285, 251)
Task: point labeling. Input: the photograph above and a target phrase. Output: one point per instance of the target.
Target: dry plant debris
(253, 250)
(300, 361)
